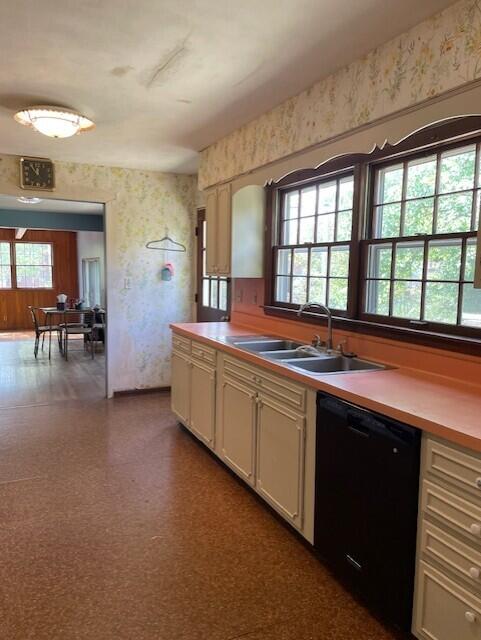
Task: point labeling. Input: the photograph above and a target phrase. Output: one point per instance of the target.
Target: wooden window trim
(443, 136)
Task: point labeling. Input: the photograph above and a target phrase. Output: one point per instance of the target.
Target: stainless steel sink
(267, 344)
(336, 364)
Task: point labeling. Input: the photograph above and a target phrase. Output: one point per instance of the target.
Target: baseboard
(138, 392)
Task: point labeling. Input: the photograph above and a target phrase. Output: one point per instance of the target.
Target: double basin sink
(303, 357)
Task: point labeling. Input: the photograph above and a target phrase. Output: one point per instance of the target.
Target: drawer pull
(470, 616)
(478, 483)
(474, 573)
(475, 529)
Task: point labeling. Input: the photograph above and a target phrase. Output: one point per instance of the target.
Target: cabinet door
(202, 402)
(211, 232)
(180, 387)
(224, 221)
(280, 458)
(237, 428)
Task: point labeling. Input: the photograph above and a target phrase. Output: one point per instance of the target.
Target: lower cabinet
(237, 418)
(280, 458)
(180, 386)
(202, 402)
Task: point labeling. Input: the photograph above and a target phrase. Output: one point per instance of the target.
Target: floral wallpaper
(438, 54)
(146, 205)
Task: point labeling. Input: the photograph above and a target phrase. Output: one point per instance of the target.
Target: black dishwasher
(367, 477)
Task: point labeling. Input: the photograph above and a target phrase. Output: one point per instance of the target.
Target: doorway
(91, 281)
(213, 295)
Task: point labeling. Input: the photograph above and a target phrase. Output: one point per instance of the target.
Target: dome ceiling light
(54, 122)
(26, 200)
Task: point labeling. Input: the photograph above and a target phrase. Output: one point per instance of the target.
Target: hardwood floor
(26, 381)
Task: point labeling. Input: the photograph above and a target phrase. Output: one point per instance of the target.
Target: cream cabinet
(218, 223)
(202, 402)
(180, 386)
(448, 564)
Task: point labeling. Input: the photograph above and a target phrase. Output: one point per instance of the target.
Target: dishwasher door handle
(356, 425)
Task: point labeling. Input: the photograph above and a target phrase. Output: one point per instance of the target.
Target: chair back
(34, 317)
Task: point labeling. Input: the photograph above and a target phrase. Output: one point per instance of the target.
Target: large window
(30, 268)
(383, 242)
(314, 241)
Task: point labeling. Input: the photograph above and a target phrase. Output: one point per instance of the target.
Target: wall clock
(37, 173)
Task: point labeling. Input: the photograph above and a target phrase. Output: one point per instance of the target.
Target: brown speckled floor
(116, 525)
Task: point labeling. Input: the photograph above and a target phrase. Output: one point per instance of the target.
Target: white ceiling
(10, 203)
(165, 78)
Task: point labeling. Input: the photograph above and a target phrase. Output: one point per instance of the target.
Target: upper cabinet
(235, 231)
(218, 221)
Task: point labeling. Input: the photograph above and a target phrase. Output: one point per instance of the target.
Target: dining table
(54, 312)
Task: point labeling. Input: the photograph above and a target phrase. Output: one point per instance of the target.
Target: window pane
(306, 230)
(344, 226)
(457, 169)
(470, 260)
(380, 258)
(471, 309)
(377, 299)
(213, 293)
(204, 262)
(325, 228)
(389, 184)
(205, 293)
(441, 303)
(319, 261)
(387, 221)
(421, 177)
(407, 299)
(223, 295)
(32, 254)
(339, 266)
(5, 277)
(444, 260)
(284, 262)
(308, 201)
(454, 213)
(327, 197)
(337, 293)
(289, 232)
(409, 261)
(317, 290)
(204, 234)
(5, 253)
(299, 290)
(291, 204)
(34, 277)
(346, 190)
(418, 217)
(282, 289)
(301, 257)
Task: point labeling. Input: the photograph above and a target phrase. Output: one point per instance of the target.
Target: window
(421, 253)
(389, 245)
(213, 292)
(313, 247)
(5, 266)
(33, 265)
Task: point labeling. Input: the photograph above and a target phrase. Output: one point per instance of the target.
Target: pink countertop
(436, 404)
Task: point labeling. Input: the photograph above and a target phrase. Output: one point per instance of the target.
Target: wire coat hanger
(166, 238)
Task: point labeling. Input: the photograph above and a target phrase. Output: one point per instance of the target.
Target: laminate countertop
(439, 405)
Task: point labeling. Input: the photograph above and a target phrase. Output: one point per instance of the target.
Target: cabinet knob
(478, 483)
(474, 573)
(470, 616)
(475, 529)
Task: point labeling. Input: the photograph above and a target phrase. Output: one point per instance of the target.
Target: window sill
(460, 344)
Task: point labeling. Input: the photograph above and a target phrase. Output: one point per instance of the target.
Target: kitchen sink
(336, 364)
(267, 345)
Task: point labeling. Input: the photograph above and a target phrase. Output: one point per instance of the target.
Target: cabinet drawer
(180, 343)
(461, 558)
(444, 610)
(288, 392)
(454, 466)
(204, 353)
(460, 515)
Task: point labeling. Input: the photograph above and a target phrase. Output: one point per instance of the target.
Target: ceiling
(10, 203)
(163, 79)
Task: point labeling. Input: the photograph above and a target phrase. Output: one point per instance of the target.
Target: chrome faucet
(328, 314)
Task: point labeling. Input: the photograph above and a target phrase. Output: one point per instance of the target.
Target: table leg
(49, 336)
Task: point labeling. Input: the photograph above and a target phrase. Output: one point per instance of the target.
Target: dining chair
(41, 330)
(83, 327)
(98, 334)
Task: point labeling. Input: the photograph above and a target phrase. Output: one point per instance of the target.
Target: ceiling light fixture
(54, 122)
(25, 200)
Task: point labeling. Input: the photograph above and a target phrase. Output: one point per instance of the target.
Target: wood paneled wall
(14, 302)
